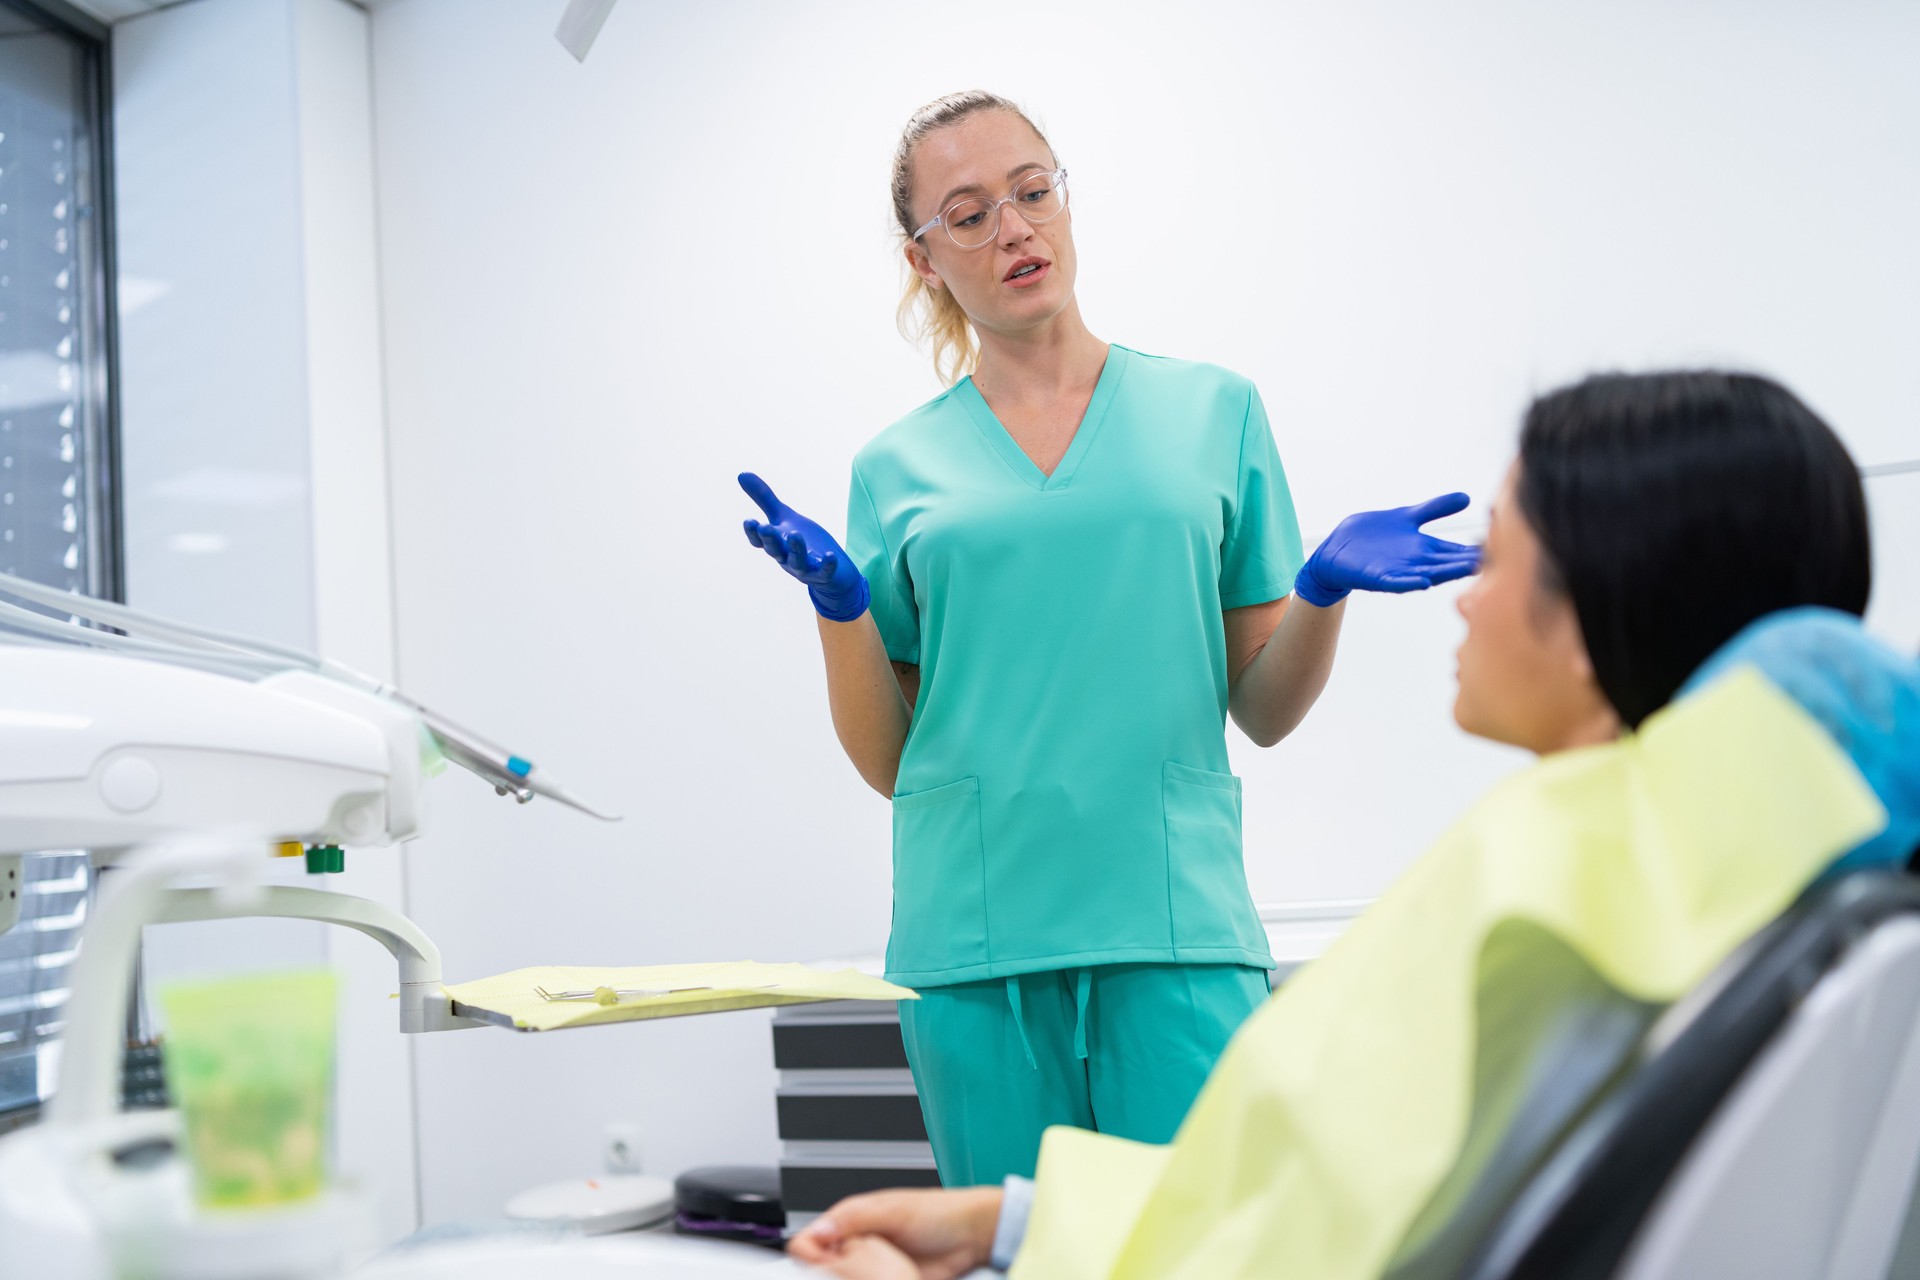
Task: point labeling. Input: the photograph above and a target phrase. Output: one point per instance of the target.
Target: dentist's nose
(1013, 229)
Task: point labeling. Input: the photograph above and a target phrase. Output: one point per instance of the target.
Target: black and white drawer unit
(849, 1117)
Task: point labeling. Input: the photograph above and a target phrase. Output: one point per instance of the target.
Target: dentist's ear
(922, 265)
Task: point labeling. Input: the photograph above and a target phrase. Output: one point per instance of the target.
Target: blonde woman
(1062, 574)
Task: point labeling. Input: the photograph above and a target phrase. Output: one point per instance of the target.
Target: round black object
(735, 1192)
(730, 1200)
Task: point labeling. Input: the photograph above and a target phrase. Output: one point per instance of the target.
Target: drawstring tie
(1082, 989)
(1020, 1021)
(1082, 985)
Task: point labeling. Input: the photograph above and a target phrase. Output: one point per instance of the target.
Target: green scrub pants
(1120, 1049)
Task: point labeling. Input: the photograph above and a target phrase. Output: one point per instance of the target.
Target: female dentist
(1062, 574)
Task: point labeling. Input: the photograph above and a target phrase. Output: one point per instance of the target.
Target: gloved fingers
(813, 568)
(794, 554)
(1451, 571)
(773, 544)
(1417, 573)
(822, 568)
(1431, 573)
(762, 494)
(1441, 547)
(768, 539)
(1400, 581)
(1428, 563)
(1446, 504)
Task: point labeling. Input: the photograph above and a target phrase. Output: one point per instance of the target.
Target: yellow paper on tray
(656, 991)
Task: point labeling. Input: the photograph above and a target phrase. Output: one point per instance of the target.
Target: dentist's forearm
(870, 713)
(1285, 678)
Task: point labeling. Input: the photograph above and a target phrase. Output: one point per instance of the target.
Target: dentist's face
(1023, 276)
(1525, 676)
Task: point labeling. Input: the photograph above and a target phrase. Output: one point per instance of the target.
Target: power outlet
(623, 1148)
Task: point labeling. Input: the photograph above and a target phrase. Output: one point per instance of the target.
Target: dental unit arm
(121, 629)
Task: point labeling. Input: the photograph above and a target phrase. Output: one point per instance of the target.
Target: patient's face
(1525, 678)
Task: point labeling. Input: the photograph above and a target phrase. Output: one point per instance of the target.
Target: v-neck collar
(1002, 442)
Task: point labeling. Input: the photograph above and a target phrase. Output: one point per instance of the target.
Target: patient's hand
(871, 1258)
(903, 1235)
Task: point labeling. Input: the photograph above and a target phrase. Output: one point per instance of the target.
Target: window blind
(56, 517)
(34, 958)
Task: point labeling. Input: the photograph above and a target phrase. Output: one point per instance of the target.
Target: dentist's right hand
(808, 552)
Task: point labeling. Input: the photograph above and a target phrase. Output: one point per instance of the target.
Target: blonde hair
(927, 312)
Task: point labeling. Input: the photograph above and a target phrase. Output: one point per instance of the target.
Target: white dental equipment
(170, 752)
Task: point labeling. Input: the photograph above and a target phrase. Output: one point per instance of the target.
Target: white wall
(1402, 219)
(254, 444)
(351, 565)
(212, 358)
(214, 448)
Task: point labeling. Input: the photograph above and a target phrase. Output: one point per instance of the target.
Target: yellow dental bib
(1327, 1141)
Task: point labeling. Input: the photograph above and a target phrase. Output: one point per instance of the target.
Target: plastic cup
(249, 1063)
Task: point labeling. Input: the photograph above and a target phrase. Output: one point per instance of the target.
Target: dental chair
(1769, 1125)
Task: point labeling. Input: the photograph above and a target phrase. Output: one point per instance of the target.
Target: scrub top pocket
(939, 879)
(1206, 882)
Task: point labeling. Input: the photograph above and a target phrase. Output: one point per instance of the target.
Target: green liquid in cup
(249, 1062)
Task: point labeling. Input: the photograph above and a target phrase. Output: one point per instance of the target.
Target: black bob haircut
(1676, 508)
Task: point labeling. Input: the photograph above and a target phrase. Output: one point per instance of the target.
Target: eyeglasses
(975, 221)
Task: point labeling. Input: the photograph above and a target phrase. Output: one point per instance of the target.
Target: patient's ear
(1596, 717)
(1600, 722)
(1560, 627)
(1580, 660)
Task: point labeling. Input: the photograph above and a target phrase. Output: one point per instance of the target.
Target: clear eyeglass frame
(1054, 180)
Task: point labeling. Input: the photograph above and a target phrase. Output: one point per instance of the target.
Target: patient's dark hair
(1675, 508)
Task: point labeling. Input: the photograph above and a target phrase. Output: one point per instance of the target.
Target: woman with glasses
(1061, 575)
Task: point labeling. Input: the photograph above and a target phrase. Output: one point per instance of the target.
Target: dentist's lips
(1033, 277)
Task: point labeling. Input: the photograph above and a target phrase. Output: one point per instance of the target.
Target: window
(34, 956)
(58, 512)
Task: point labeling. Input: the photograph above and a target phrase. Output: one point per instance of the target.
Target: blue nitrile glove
(1385, 551)
(808, 552)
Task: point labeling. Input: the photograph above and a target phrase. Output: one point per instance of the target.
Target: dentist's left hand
(808, 552)
(1385, 551)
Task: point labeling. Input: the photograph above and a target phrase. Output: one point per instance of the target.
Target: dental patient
(1668, 617)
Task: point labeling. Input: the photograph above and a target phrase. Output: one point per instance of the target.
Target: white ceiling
(114, 10)
(111, 11)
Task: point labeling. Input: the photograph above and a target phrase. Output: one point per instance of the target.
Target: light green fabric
(1342, 1106)
(1120, 1048)
(1064, 797)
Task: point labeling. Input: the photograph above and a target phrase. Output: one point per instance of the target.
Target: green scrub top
(1064, 797)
